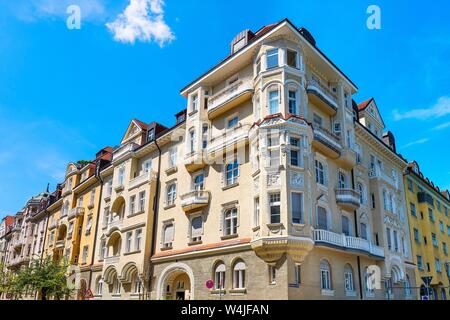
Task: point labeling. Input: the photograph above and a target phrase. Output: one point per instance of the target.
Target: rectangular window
(85, 254)
(274, 103)
(272, 275)
(89, 225)
(128, 242)
(291, 56)
(295, 151)
(272, 58)
(196, 229)
(372, 196)
(232, 173)
(435, 241)
(396, 247)
(275, 204)
(420, 263)
(138, 240)
(342, 180)
(364, 231)
(194, 102)
(132, 204)
(92, 199)
(230, 222)
(317, 120)
(345, 226)
(431, 214)
(444, 248)
(142, 201)
(121, 177)
(232, 122)
(256, 213)
(297, 207)
(147, 166)
(437, 264)
(389, 240)
(413, 209)
(292, 95)
(322, 218)
(320, 173)
(172, 157)
(416, 235)
(298, 274)
(441, 226)
(168, 236)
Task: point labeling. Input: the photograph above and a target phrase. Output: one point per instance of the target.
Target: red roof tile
(364, 104)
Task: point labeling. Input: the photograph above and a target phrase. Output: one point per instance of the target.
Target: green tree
(46, 277)
(83, 163)
(6, 280)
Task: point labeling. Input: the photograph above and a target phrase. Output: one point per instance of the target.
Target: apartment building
(263, 200)
(428, 214)
(122, 261)
(6, 225)
(26, 237)
(378, 180)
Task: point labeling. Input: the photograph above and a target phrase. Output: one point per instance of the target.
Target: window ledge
(218, 292)
(119, 188)
(350, 293)
(231, 236)
(166, 248)
(230, 186)
(194, 243)
(254, 229)
(238, 291)
(274, 225)
(328, 293)
(190, 114)
(107, 199)
(169, 206)
(90, 206)
(254, 174)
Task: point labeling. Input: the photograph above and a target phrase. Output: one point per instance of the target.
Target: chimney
(389, 140)
(241, 40)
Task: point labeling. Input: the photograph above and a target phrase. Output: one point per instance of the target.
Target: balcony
(194, 161)
(18, 243)
(16, 228)
(348, 199)
(59, 244)
(343, 242)
(194, 200)
(141, 180)
(347, 160)
(377, 174)
(326, 142)
(114, 224)
(124, 150)
(229, 97)
(76, 212)
(322, 97)
(423, 197)
(232, 138)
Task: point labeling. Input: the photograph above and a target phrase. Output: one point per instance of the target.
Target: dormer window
(272, 58)
(292, 60)
(151, 135)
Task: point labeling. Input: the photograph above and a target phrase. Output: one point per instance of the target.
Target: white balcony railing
(123, 150)
(328, 138)
(230, 137)
(229, 93)
(142, 179)
(317, 87)
(75, 212)
(347, 242)
(116, 223)
(195, 199)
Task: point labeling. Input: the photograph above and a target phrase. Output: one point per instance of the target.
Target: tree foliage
(46, 278)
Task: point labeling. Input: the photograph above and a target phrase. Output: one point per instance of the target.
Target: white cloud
(440, 109)
(142, 20)
(416, 142)
(442, 126)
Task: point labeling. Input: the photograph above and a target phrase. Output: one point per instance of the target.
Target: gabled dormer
(136, 132)
(370, 117)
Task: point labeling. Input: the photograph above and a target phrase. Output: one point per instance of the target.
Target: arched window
(219, 276)
(239, 275)
(99, 286)
(136, 283)
(198, 182)
(325, 275)
(116, 286)
(369, 285)
(348, 278)
(171, 194)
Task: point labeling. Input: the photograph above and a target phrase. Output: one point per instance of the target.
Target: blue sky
(64, 94)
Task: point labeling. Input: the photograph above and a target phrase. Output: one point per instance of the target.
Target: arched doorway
(176, 282)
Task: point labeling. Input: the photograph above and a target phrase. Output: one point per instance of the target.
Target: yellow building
(430, 231)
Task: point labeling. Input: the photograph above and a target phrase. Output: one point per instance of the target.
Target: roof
(364, 104)
(141, 124)
(259, 34)
(9, 220)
